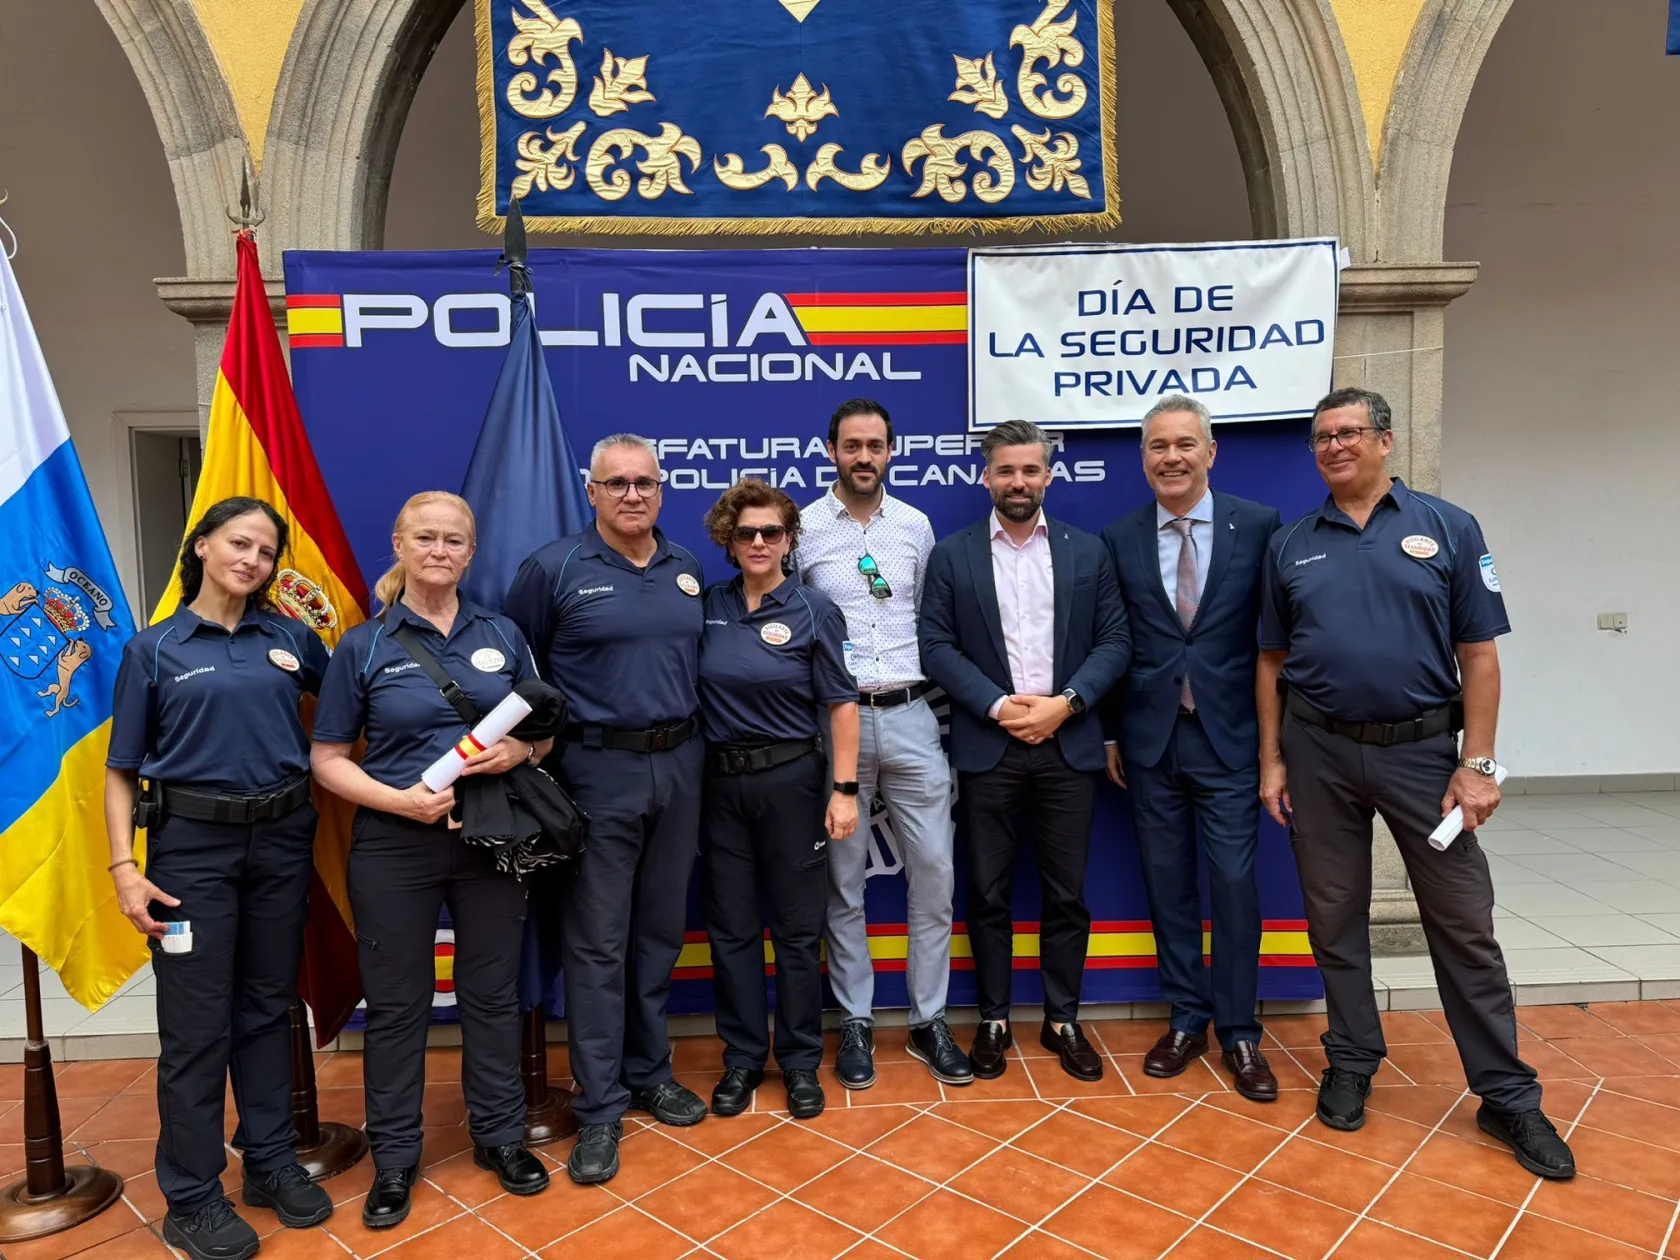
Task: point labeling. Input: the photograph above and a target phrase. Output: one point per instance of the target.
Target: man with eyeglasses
(868, 552)
(1378, 618)
(614, 615)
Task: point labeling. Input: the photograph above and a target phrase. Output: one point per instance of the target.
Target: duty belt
(230, 807)
(1384, 734)
(656, 739)
(891, 699)
(738, 759)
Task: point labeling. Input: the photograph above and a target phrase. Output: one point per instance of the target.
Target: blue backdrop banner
(715, 356)
(777, 115)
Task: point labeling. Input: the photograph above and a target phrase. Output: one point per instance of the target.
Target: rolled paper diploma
(1453, 823)
(497, 723)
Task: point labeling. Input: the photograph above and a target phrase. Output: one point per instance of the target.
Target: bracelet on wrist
(112, 869)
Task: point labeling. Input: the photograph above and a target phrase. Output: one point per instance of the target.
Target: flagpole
(324, 1150)
(50, 1198)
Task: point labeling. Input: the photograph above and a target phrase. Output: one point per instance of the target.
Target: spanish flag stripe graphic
(316, 341)
(886, 338)
(295, 300)
(819, 319)
(874, 299)
(314, 319)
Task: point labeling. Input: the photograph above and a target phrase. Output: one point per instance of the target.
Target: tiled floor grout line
(1668, 1237)
(1247, 1177)
(1540, 1181)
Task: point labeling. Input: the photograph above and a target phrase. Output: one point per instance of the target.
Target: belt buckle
(735, 760)
(659, 739)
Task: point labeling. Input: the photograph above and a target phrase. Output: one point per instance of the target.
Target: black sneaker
(1532, 1137)
(934, 1046)
(670, 1103)
(1341, 1098)
(855, 1063)
(595, 1157)
(296, 1200)
(212, 1232)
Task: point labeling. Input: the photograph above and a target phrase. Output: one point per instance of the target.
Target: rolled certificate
(1453, 823)
(497, 723)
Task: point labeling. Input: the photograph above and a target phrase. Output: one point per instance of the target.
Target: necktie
(1187, 595)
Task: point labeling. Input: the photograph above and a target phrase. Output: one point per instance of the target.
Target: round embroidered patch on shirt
(281, 659)
(1419, 546)
(488, 660)
(687, 585)
(775, 633)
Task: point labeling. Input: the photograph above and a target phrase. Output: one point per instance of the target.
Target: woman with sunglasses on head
(773, 655)
(206, 712)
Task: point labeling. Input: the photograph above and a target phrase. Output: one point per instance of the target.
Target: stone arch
(1442, 60)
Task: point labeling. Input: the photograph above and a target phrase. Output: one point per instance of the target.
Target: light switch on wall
(1616, 621)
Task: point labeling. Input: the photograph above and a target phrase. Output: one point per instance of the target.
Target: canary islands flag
(63, 623)
(257, 446)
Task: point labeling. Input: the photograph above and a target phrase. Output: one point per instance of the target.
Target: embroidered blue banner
(828, 116)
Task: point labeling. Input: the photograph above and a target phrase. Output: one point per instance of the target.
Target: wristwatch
(1485, 766)
(849, 788)
(1076, 702)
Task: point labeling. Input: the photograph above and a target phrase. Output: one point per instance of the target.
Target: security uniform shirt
(375, 685)
(622, 643)
(198, 706)
(1371, 617)
(763, 673)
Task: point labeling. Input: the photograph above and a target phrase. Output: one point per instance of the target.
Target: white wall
(1561, 367)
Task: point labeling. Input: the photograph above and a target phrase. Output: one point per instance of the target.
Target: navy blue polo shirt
(623, 643)
(196, 705)
(1371, 617)
(763, 673)
(374, 686)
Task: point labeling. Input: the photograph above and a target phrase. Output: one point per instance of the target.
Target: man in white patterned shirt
(868, 552)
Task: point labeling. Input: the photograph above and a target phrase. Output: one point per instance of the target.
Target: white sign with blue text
(1092, 336)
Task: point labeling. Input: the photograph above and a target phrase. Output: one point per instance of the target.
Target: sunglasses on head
(772, 534)
(877, 584)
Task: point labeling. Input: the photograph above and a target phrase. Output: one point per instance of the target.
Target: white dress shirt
(1168, 541)
(1026, 593)
(882, 632)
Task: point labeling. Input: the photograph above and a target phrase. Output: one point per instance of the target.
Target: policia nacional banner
(760, 116)
(732, 362)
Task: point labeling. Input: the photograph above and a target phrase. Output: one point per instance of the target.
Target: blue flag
(1674, 28)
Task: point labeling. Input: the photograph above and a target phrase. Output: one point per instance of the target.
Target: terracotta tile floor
(1031, 1165)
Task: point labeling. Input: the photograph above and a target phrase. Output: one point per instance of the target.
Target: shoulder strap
(406, 635)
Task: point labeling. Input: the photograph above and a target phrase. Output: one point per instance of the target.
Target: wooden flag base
(548, 1111)
(324, 1150)
(50, 1198)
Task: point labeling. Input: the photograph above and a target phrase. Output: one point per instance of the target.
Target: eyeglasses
(618, 487)
(772, 534)
(877, 584)
(1341, 437)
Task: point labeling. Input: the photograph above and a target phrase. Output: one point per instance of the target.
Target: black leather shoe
(670, 1103)
(1174, 1052)
(1341, 1098)
(934, 1046)
(595, 1157)
(1079, 1058)
(990, 1043)
(212, 1232)
(734, 1093)
(296, 1200)
(855, 1063)
(1532, 1138)
(1250, 1072)
(519, 1171)
(804, 1093)
(387, 1203)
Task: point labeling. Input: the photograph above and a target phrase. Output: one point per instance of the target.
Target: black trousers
(1033, 779)
(624, 912)
(402, 873)
(1335, 786)
(224, 1006)
(765, 846)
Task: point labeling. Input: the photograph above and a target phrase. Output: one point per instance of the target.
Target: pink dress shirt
(1026, 592)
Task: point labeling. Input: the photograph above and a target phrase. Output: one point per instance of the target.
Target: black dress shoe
(734, 1093)
(1532, 1138)
(1079, 1059)
(387, 1203)
(1250, 1072)
(296, 1200)
(804, 1093)
(934, 1046)
(669, 1103)
(990, 1044)
(595, 1157)
(1341, 1098)
(1174, 1052)
(212, 1232)
(855, 1063)
(519, 1171)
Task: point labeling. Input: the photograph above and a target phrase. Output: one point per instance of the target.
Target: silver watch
(1481, 765)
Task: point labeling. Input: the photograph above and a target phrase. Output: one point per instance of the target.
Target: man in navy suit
(1022, 625)
(1188, 744)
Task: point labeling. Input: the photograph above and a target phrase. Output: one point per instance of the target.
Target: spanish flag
(257, 447)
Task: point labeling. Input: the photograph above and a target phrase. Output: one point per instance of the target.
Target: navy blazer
(960, 634)
(1219, 649)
